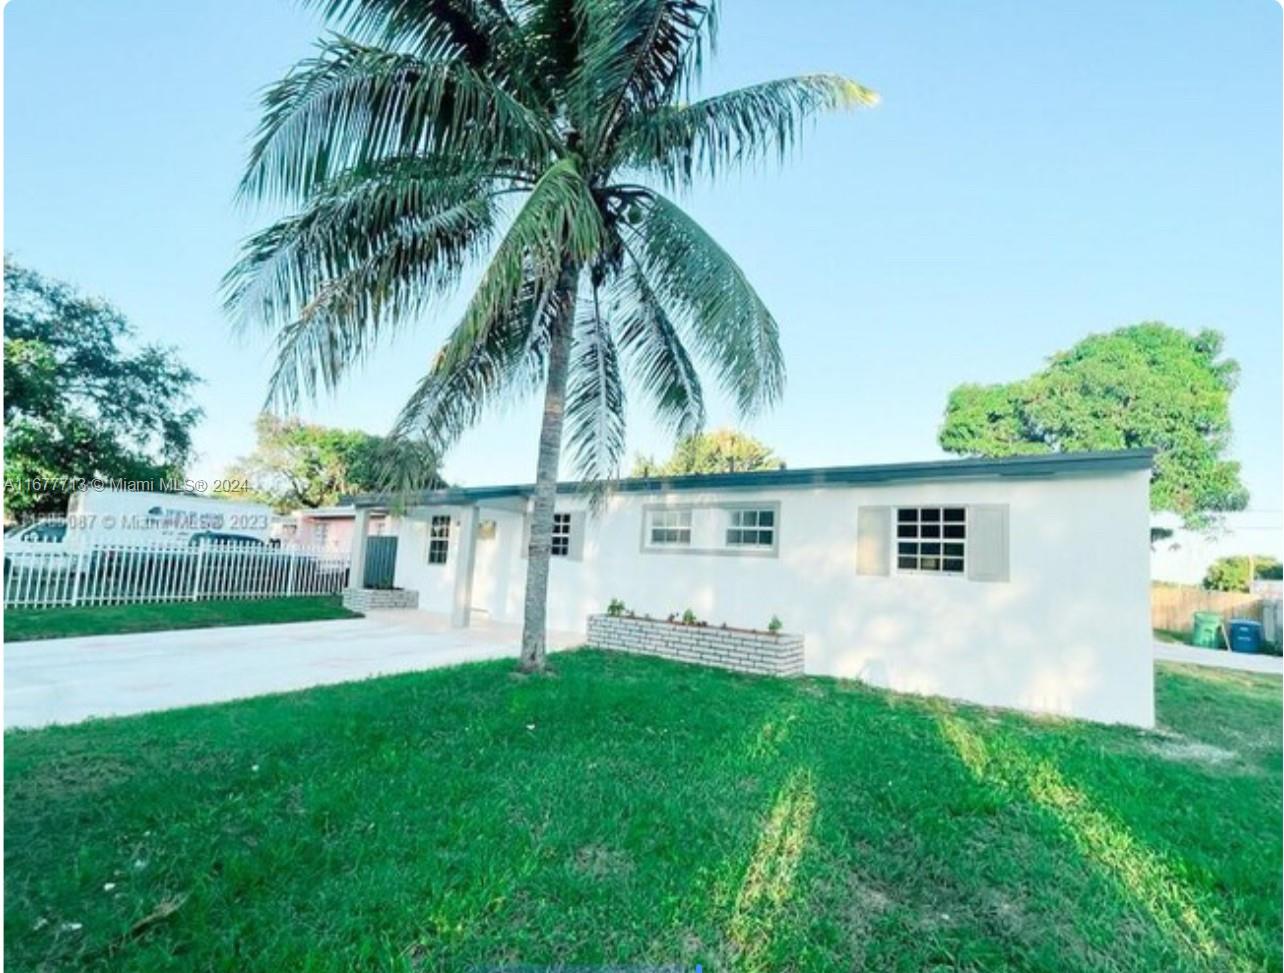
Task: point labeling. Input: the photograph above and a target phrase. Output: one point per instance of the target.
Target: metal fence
(114, 574)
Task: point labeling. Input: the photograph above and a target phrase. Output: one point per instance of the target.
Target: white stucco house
(1020, 582)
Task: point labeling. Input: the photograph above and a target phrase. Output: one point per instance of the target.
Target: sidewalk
(1218, 659)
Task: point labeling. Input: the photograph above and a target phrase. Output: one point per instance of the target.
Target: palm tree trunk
(550, 449)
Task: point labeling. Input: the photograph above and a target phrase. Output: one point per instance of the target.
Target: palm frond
(471, 27)
(354, 105)
(633, 57)
(706, 290)
(733, 129)
(404, 465)
(559, 225)
(344, 301)
(473, 372)
(552, 35)
(656, 358)
(691, 66)
(501, 344)
(595, 398)
(439, 212)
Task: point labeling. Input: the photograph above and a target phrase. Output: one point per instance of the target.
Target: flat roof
(323, 513)
(1044, 465)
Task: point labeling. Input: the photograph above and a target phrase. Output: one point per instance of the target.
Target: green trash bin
(1206, 632)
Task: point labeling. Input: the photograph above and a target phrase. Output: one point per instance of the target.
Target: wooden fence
(113, 574)
(1172, 606)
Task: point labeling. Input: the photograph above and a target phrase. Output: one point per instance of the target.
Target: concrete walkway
(1218, 659)
(67, 680)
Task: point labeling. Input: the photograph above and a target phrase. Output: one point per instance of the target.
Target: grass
(628, 810)
(1183, 638)
(21, 625)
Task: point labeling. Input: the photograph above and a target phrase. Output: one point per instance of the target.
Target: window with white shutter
(989, 542)
(931, 540)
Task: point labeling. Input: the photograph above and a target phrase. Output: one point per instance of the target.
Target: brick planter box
(374, 599)
(727, 648)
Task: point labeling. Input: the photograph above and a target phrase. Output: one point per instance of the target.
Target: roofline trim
(1039, 466)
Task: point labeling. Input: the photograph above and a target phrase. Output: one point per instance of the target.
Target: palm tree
(528, 136)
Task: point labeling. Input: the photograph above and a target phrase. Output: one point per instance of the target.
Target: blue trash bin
(1245, 635)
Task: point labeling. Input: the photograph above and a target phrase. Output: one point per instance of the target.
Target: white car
(122, 520)
(39, 545)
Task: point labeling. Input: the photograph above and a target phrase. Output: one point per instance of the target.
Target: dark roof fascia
(1041, 466)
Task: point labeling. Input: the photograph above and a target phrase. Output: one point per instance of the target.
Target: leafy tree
(528, 134)
(1232, 573)
(78, 404)
(719, 451)
(295, 464)
(1149, 385)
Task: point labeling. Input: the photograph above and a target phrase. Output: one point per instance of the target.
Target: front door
(381, 562)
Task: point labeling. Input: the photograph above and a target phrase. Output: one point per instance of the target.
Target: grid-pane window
(670, 528)
(439, 539)
(561, 535)
(931, 539)
(751, 528)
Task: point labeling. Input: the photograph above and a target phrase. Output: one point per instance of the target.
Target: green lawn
(630, 810)
(55, 623)
(1183, 638)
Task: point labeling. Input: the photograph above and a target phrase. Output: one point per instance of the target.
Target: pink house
(328, 528)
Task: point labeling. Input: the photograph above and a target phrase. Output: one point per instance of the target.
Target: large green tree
(532, 136)
(1237, 571)
(297, 464)
(79, 402)
(716, 451)
(1149, 385)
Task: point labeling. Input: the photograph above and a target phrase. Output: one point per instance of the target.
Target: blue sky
(1036, 172)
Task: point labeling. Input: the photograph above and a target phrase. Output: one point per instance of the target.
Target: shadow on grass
(1141, 877)
(628, 811)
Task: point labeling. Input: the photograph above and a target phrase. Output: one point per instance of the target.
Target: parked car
(247, 559)
(214, 538)
(38, 546)
(125, 521)
(142, 519)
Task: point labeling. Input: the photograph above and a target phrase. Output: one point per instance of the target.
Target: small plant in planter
(775, 625)
(689, 617)
(616, 608)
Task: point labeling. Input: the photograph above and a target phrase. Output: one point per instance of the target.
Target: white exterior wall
(1068, 634)
(434, 582)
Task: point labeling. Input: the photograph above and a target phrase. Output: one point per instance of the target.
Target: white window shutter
(874, 540)
(987, 542)
(576, 550)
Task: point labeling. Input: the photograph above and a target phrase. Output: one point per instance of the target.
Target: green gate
(381, 562)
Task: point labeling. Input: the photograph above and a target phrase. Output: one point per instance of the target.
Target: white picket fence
(114, 574)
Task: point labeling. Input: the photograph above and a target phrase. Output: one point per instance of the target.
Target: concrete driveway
(1218, 659)
(67, 680)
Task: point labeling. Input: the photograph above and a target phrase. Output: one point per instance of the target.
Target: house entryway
(381, 561)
